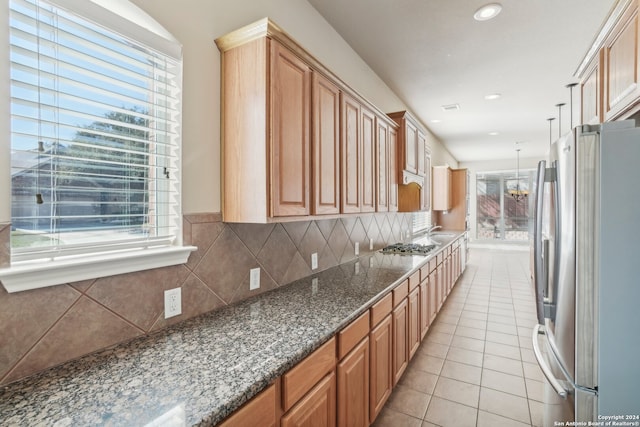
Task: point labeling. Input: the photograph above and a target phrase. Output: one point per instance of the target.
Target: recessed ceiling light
(436, 121)
(492, 96)
(488, 11)
(494, 133)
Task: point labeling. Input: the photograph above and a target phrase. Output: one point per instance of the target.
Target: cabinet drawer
(380, 309)
(306, 374)
(262, 407)
(414, 280)
(433, 263)
(400, 292)
(350, 336)
(424, 272)
(318, 408)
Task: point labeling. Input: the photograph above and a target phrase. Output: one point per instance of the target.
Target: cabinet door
(591, 88)
(317, 408)
(421, 146)
(353, 387)
(400, 344)
(441, 188)
(326, 146)
(368, 161)
(425, 191)
(425, 317)
(411, 147)
(393, 169)
(259, 411)
(351, 165)
(433, 295)
(380, 375)
(290, 141)
(414, 321)
(621, 58)
(382, 166)
(440, 285)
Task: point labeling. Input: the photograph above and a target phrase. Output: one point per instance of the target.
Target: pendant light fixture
(550, 119)
(518, 194)
(560, 105)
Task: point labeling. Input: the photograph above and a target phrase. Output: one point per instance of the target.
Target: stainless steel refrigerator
(587, 274)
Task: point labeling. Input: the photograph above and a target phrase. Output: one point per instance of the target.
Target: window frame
(126, 19)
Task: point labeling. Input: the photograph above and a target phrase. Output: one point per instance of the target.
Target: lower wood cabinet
(414, 337)
(348, 379)
(353, 387)
(400, 316)
(317, 408)
(259, 411)
(425, 316)
(381, 375)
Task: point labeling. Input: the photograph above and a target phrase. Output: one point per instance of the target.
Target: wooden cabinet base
(317, 408)
(353, 387)
(260, 411)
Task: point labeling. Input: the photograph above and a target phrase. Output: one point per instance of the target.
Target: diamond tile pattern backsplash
(45, 327)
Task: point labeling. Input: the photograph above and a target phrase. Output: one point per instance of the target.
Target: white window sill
(27, 275)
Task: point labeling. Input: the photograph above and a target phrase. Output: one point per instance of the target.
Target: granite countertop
(201, 370)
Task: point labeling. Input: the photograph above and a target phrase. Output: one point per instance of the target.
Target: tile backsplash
(45, 327)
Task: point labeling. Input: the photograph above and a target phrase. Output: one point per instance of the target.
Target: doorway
(499, 216)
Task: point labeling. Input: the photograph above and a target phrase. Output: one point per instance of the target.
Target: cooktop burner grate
(408, 249)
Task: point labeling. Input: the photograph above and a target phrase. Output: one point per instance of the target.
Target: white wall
(196, 23)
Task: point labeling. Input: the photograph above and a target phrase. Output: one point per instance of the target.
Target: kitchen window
(95, 142)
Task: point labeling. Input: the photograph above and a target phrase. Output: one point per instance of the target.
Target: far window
(499, 215)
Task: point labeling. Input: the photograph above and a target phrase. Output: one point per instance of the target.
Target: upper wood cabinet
(296, 140)
(368, 160)
(413, 164)
(290, 133)
(393, 169)
(412, 142)
(441, 188)
(266, 132)
(425, 190)
(610, 72)
(351, 148)
(621, 64)
(457, 216)
(387, 183)
(591, 89)
(326, 146)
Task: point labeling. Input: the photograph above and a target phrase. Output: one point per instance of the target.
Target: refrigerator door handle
(555, 383)
(538, 265)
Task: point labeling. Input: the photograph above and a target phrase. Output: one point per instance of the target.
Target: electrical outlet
(370, 244)
(172, 302)
(357, 248)
(314, 260)
(254, 278)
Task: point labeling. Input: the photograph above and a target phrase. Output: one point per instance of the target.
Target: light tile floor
(476, 366)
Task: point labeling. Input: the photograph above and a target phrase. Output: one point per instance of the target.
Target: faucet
(433, 227)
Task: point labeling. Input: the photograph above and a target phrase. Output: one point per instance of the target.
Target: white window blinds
(94, 137)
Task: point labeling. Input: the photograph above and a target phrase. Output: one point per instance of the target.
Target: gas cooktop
(408, 249)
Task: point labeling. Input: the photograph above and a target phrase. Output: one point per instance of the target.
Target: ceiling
(433, 53)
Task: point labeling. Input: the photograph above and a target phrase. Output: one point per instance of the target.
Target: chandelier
(518, 194)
